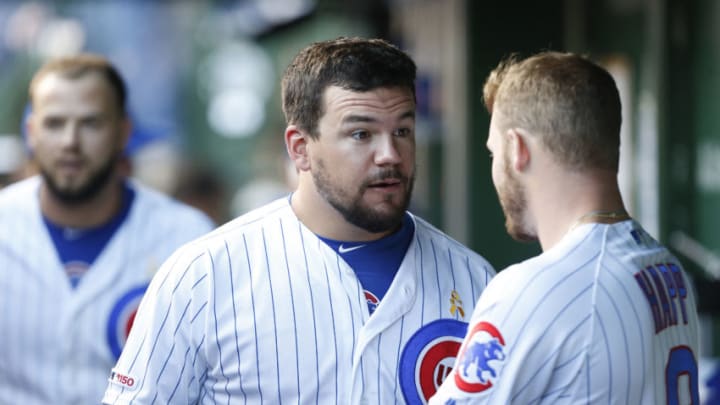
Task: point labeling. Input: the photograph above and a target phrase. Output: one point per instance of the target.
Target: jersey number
(681, 362)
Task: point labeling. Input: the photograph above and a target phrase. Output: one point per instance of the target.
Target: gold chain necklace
(604, 217)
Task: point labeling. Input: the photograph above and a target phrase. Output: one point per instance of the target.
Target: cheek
(101, 143)
(497, 172)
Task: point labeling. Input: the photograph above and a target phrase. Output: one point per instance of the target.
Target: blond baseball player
(605, 314)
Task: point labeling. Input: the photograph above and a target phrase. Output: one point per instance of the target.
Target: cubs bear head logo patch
(428, 357)
(479, 358)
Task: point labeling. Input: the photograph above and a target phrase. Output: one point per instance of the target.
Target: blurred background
(204, 95)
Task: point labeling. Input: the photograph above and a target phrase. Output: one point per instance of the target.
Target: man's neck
(573, 203)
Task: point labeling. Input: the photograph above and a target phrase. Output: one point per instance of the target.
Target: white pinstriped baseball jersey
(605, 316)
(261, 311)
(58, 343)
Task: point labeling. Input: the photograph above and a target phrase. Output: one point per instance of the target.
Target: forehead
(494, 131)
(56, 90)
(380, 100)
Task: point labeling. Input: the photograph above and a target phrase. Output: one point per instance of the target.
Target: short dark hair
(569, 101)
(356, 64)
(79, 65)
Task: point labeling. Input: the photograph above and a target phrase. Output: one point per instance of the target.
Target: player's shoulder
(156, 207)
(426, 230)
(248, 223)
(19, 201)
(630, 238)
(20, 191)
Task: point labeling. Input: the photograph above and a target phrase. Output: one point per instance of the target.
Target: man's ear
(297, 142)
(519, 148)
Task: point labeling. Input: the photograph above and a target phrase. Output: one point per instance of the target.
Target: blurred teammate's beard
(351, 205)
(87, 191)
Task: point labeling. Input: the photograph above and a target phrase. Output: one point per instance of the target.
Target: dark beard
(88, 191)
(352, 210)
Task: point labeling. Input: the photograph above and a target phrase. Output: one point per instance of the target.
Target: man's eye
(360, 134)
(403, 132)
(53, 123)
(92, 122)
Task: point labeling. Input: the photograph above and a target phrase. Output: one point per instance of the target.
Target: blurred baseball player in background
(333, 295)
(605, 314)
(78, 243)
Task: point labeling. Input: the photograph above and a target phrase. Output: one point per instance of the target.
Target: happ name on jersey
(663, 296)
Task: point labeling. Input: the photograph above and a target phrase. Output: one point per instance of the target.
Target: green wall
(494, 33)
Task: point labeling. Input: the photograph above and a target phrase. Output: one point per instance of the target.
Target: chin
(519, 233)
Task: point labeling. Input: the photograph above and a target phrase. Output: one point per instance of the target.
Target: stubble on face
(350, 204)
(514, 205)
(74, 194)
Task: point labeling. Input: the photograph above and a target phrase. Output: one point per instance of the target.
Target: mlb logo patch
(479, 359)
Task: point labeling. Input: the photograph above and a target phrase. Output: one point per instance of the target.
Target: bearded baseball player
(333, 295)
(79, 242)
(605, 314)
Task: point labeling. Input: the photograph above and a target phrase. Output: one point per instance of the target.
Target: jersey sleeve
(508, 359)
(162, 361)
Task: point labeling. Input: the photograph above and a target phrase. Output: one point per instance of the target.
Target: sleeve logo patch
(481, 355)
(123, 380)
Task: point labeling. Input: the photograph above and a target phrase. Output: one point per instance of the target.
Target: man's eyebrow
(408, 114)
(357, 118)
(353, 118)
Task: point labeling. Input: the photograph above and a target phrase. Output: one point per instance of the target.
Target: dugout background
(194, 66)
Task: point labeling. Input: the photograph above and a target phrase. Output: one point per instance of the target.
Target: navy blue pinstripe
(397, 356)
(177, 384)
(608, 355)
(252, 302)
(469, 270)
(292, 303)
(540, 272)
(137, 353)
(549, 293)
(625, 340)
(550, 356)
(217, 338)
(359, 296)
(272, 300)
(637, 317)
(379, 369)
(437, 278)
(452, 270)
(312, 307)
(237, 342)
(422, 279)
(334, 332)
(195, 355)
(352, 318)
(155, 341)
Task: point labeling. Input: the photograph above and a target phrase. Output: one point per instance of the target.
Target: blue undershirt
(375, 263)
(79, 247)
